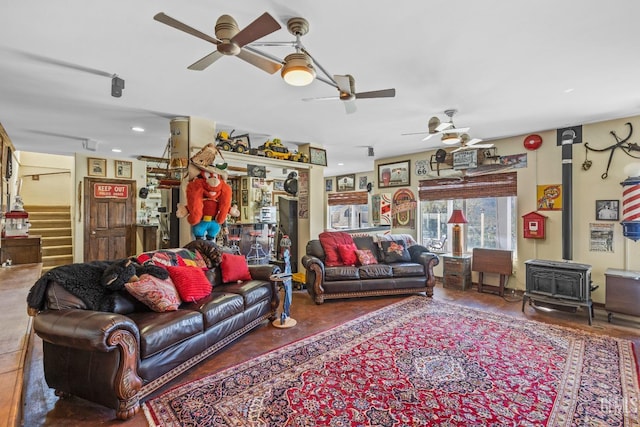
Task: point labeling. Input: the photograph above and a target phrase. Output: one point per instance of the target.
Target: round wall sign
(532, 142)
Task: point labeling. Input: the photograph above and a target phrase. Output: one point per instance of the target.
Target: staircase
(53, 224)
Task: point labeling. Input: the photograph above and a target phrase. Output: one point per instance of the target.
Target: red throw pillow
(190, 282)
(348, 253)
(330, 241)
(366, 257)
(234, 268)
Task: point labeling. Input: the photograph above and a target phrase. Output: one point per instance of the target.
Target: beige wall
(544, 166)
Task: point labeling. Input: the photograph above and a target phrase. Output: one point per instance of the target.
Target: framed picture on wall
(328, 184)
(317, 156)
(346, 182)
(123, 169)
(96, 167)
(394, 174)
(607, 210)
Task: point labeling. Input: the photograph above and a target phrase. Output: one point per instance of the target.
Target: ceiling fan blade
(443, 126)
(263, 63)
(430, 135)
(413, 133)
(343, 82)
(385, 93)
(323, 98)
(350, 107)
(203, 63)
(473, 141)
(172, 22)
(456, 130)
(483, 146)
(260, 27)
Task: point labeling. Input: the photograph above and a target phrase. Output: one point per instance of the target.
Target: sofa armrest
(429, 260)
(314, 277)
(83, 329)
(263, 271)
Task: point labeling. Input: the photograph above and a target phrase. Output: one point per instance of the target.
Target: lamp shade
(457, 217)
(298, 70)
(450, 138)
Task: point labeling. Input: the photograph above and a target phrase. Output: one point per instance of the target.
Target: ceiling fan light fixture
(298, 70)
(450, 139)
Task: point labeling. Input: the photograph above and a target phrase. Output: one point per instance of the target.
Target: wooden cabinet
(22, 250)
(623, 292)
(456, 271)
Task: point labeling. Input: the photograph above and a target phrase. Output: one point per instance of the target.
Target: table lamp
(457, 218)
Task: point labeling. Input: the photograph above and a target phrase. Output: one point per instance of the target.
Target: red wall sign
(110, 191)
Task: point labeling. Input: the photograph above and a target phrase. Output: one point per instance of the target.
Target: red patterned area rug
(420, 362)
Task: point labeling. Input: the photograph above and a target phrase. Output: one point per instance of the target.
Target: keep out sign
(110, 191)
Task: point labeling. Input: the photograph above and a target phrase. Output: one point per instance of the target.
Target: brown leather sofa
(118, 358)
(345, 281)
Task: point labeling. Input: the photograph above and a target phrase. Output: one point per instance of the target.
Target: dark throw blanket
(81, 279)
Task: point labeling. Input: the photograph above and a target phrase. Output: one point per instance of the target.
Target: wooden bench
(493, 261)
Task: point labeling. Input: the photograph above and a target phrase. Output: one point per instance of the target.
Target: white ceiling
(506, 66)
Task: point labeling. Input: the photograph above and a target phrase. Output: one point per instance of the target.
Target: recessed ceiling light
(569, 90)
(340, 164)
(137, 129)
(116, 150)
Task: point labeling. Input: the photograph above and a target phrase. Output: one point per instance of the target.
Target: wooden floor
(43, 408)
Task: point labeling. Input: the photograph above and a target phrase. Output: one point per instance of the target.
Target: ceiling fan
(300, 69)
(230, 40)
(468, 143)
(450, 133)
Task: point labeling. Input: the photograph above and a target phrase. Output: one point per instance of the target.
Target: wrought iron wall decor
(627, 147)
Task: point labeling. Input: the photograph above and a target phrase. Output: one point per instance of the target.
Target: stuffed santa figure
(208, 194)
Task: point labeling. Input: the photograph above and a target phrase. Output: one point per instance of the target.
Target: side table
(456, 270)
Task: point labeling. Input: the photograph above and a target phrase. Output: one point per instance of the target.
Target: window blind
(348, 198)
(472, 187)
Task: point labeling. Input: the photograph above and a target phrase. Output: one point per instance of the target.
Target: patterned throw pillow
(366, 257)
(157, 294)
(190, 282)
(173, 257)
(395, 251)
(234, 268)
(330, 241)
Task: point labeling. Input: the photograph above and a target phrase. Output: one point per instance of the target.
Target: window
(491, 222)
(347, 217)
(488, 202)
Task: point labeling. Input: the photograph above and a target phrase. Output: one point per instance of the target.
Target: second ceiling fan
(450, 134)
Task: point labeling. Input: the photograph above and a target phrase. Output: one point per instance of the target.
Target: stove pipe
(567, 138)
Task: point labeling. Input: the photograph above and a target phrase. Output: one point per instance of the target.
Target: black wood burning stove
(559, 283)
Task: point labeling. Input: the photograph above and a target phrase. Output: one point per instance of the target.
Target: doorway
(109, 218)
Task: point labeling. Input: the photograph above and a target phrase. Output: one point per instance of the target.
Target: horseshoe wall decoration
(627, 148)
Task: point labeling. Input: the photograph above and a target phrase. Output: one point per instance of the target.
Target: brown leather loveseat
(399, 266)
(118, 358)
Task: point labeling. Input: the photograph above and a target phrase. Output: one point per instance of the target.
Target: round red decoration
(532, 142)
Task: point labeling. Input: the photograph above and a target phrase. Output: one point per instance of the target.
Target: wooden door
(109, 214)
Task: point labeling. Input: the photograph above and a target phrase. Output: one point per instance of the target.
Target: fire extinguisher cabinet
(533, 225)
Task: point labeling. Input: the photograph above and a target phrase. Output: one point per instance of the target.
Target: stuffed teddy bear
(128, 270)
(208, 194)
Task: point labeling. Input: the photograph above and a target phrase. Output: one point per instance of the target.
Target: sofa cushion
(395, 251)
(210, 251)
(347, 253)
(375, 271)
(330, 241)
(158, 331)
(415, 251)
(234, 268)
(365, 257)
(407, 269)
(342, 272)
(157, 294)
(190, 282)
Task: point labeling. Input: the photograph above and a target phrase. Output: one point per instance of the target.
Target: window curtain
(472, 187)
(348, 198)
